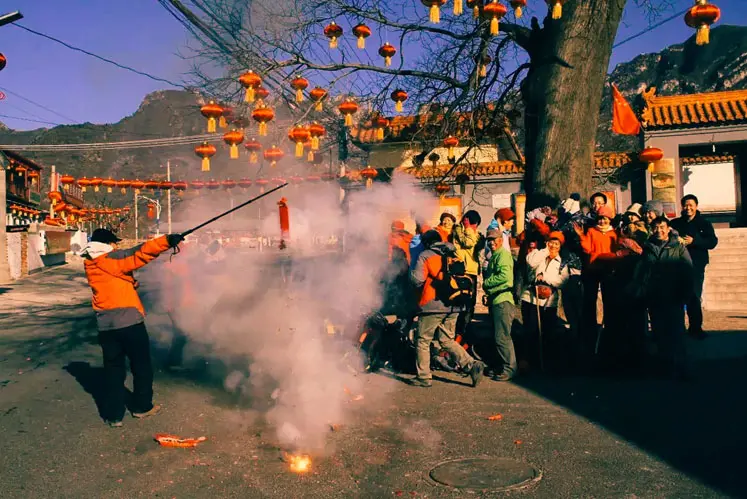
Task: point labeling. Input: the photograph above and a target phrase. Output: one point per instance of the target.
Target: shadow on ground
(697, 427)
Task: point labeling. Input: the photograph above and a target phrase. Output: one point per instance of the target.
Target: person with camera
(439, 308)
(546, 275)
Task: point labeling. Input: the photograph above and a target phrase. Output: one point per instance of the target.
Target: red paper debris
(167, 440)
(495, 417)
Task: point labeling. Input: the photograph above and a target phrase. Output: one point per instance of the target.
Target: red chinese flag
(624, 120)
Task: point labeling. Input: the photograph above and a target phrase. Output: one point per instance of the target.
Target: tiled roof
(426, 126)
(26, 161)
(700, 160)
(685, 111)
(603, 163)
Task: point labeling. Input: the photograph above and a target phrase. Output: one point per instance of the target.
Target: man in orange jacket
(120, 318)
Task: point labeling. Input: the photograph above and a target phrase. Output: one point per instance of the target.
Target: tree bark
(562, 95)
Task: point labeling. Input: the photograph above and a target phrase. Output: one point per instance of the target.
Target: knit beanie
(653, 205)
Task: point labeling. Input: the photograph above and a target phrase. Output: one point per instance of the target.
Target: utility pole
(4, 265)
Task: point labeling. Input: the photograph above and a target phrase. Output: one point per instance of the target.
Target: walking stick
(539, 327)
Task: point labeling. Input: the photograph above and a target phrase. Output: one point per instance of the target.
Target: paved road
(589, 437)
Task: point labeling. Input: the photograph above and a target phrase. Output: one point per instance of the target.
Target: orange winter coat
(400, 240)
(597, 244)
(115, 298)
(445, 235)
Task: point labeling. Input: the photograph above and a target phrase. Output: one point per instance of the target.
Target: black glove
(174, 240)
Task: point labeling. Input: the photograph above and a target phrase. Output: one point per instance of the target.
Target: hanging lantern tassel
(450, 152)
(398, 107)
(435, 14)
(557, 10)
(299, 149)
(518, 12)
(299, 95)
(222, 122)
(249, 95)
(253, 158)
(262, 129)
(318, 105)
(483, 70)
(361, 42)
(348, 120)
(494, 26)
(212, 125)
(314, 143)
(380, 131)
(234, 151)
(458, 7)
(205, 164)
(702, 36)
(369, 183)
(123, 190)
(310, 156)
(476, 11)
(333, 42)
(388, 60)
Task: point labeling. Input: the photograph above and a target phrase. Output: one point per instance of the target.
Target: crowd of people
(645, 269)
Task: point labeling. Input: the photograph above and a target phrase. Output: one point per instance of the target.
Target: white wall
(713, 183)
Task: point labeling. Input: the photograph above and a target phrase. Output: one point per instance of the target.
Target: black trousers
(530, 346)
(133, 343)
(694, 306)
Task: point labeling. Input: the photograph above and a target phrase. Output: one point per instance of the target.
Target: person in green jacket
(498, 284)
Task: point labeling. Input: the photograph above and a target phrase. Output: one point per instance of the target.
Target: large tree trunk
(562, 103)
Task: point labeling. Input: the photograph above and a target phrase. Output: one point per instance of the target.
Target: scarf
(95, 250)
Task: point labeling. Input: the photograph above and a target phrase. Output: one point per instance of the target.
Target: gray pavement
(588, 437)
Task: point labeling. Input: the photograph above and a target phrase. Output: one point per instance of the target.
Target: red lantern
(327, 176)
(475, 5)
(387, 51)
(278, 180)
(233, 138)
(313, 178)
(299, 135)
(55, 197)
(61, 207)
(165, 186)
(451, 142)
(83, 183)
(212, 112)
(109, 183)
(3, 61)
(317, 131)
(318, 94)
(495, 11)
(95, 183)
(348, 108)
(299, 84)
(263, 115)
(253, 146)
(137, 185)
(205, 151)
(557, 8)
(152, 185)
(399, 96)
(197, 185)
(651, 155)
(361, 31)
(435, 9)
(262, 93)
(212, 184)
(228, 184)
(244, 183)
(442, 189)
(67, 181)
(700, 17)
(333, 32)
(369, 174)
(180, 187)
(250, 81)
(381, 124)
(261, 182)
(273, 155)
(518, 6)
(123, 185)
(296, 179)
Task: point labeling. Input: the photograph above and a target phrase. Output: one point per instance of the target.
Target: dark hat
(104, 236)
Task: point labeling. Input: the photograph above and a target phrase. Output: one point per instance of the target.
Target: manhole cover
(485, 473)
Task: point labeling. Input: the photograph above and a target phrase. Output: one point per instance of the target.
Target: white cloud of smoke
(270, 307)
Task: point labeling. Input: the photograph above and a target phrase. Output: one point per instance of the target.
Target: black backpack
(456, 287)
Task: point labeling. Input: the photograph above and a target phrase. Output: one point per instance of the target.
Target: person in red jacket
(120, 318)
(598, 244)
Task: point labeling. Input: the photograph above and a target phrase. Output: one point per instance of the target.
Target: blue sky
(141, 34)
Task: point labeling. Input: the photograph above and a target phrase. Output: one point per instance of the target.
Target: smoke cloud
(273, 308)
